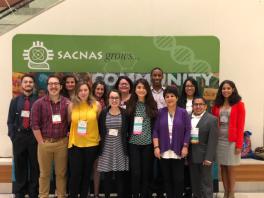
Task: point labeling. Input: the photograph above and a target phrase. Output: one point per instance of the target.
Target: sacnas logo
(38, 56)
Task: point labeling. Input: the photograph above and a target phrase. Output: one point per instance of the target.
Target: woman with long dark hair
(99, 91)
(188, 92)
(230, 111)
(143, 109)
(69, 83)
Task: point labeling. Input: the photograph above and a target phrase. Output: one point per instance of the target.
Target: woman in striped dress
(113, 158)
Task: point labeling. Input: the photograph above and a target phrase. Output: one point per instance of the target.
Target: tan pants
(53, 150)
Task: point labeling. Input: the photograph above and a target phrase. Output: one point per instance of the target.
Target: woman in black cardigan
(113, 157)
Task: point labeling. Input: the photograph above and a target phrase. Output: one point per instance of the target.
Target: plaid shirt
(41, 117)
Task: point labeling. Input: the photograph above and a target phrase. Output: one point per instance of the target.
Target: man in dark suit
(203, 149)
(24, 143)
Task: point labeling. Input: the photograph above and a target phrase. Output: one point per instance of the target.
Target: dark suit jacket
(208, 134)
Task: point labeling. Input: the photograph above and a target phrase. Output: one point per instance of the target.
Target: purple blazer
(180, 131)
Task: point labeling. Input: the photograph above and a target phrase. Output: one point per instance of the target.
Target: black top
(124, 129)
(15, 121)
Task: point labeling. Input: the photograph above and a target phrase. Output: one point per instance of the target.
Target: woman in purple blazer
(171, 140)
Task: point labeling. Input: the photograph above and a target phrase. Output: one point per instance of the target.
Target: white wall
(237, 23)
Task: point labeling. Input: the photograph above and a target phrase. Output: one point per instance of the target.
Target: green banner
(70, 53)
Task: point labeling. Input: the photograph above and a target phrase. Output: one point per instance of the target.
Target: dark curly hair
(233, 99)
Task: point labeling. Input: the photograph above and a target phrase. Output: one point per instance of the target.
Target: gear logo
(38, 56)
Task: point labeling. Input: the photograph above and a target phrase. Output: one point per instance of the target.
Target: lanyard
(52, 110)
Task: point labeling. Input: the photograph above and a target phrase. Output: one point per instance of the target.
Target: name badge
(113, 132)
(195, 135)
(25, 114)
(224, 119)
(138, 125)
(82, 126)
(56, 119)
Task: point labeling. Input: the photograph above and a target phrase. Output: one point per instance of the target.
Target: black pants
(26, 164)
(187, 182)
(119, 178)
(173, 175)
(157, 179)
(141, 163)
(81, 166)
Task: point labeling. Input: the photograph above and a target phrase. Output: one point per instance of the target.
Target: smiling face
(156, 78)
(227, 90)
(27, 84)
(171, 100)
(124, 86)
(114, 99)
(99, 91)
(70, 84)
(141, 91)
(199, 106)
(189, 89)
(54, 87)
(83, 92)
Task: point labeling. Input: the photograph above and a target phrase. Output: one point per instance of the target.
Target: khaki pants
(53, 150)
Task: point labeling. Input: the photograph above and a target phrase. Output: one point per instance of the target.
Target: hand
(157, 153)
(207, 163)
(41, 142)
(184, 152)
(238, 151)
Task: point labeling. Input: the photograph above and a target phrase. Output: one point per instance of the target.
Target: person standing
(113, 158)
(142, 109)
(99, 91)
(69, 83)
(125, 86)
(189, 91)
(230, 111)
(24, 143)
(83, 139)
(171, 135)
(49, 122)
(202, 149)
(156, 76)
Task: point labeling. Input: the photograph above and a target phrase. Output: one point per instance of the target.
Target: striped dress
(113, 157)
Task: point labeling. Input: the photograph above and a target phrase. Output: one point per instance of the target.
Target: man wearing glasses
(49, 124)
(202, 149)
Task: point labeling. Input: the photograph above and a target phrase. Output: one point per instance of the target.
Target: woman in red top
(230, 111)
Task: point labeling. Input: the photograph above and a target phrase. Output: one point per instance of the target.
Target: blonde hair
(76, 100)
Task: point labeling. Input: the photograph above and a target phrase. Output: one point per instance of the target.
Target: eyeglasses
(114, 98)
(53, 84)
(198, 104)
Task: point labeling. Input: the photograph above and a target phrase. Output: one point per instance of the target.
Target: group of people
(133, 134)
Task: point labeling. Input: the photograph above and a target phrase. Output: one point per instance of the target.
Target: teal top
(145, 137)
